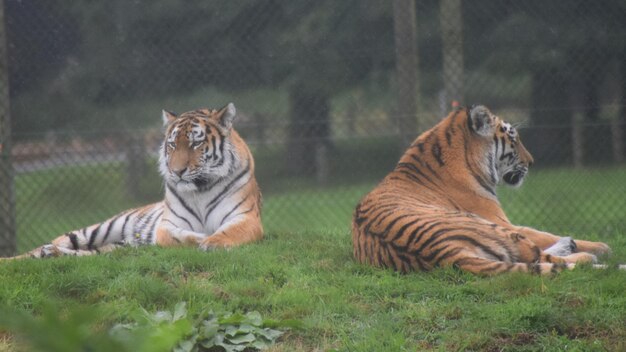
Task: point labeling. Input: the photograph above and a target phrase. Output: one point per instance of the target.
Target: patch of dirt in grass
(612, 339)
(96, 296)
(424, 345)
(198, 276)
(586, 331)
(221, 294)
(254, 292)
(359, 303)
(454, 313)
(181, 276)
(291, 342)
(574, 302)
(324, 265)
(502, 340)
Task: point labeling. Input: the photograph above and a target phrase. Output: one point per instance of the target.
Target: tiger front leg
(171, 236)
(234, 233)
(52, 250)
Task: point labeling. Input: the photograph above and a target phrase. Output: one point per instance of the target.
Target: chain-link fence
(328, 95)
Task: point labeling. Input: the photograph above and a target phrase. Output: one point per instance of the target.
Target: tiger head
(197, 150)
(508, 158)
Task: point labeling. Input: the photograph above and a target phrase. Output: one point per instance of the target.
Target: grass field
(345, 306)
(304, 270)
(566, 201)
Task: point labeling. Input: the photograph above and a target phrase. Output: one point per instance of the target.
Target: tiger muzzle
(516, 176)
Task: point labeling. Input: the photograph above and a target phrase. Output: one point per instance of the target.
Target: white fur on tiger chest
(206, 212)
(223, 215)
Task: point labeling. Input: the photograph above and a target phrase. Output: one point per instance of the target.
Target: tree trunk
(551, 142)
(595, 145)
(7, 191)
(578, 142)
(405, 34)
(451, 23)
(579, 135)
(622, 112)
(135, 165)
(309, 132)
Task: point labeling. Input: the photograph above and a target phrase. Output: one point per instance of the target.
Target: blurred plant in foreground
(56, 331)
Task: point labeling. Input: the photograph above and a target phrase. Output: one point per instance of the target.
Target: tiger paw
(207, 247)
(581, 257)
(597, 248)
(211, 243)
(602, 249)
(48, 250)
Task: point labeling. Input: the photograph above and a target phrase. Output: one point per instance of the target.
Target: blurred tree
(7, 185)
(133, 50)
(451, 20)
(329, 46)
(40, 50)
(621, 123)
(38, 53)
(108, 52)
(405, 36)
(564, 46)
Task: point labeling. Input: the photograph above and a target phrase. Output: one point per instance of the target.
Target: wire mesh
(321, 90)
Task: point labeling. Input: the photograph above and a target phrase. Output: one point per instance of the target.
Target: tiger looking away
(439, 208)
(212, 199)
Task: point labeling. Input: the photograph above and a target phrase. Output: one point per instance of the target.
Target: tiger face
(513, 160)
(508, 158)
(196, 150)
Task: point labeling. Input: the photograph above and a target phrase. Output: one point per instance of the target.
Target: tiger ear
(226, 116)
(481, 120)
(168, 117)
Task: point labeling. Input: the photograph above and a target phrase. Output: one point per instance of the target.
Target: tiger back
(439, 207)
(212, 199)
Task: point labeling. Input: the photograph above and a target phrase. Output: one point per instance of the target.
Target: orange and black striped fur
(439, 208)
(211, 195)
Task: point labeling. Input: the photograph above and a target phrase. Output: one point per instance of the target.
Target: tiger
(212, 199)
(438, 207)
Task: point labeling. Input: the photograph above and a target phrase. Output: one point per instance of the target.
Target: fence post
(7, 191)
(405, 35)
(618, 124)
(451, 23)
(578, 142)
(622, 103)
(135, 164)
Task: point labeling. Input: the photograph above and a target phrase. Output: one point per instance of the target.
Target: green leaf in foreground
(55, 332)
(165, 330)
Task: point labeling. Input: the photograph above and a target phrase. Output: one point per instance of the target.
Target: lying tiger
(211, 195)
(439, 208)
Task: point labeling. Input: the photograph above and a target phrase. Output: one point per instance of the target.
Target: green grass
(304, 270)
(580, 203)
(311, 277)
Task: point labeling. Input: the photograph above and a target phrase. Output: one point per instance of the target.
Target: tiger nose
(179, 172)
